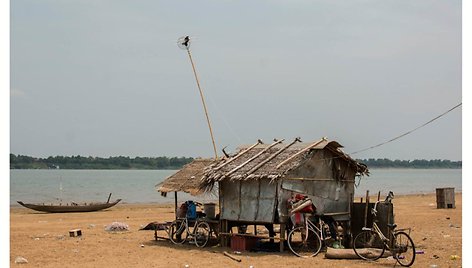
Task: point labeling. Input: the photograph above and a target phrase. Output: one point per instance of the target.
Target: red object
(242, 242)
(298, 218)
(308, 209)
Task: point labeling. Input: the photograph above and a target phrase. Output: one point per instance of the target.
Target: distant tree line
(387, 163)
(163, 162)
(82, 162)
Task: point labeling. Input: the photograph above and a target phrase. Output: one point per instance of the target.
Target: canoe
(69, 207)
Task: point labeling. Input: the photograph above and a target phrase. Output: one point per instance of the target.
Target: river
(138, 186)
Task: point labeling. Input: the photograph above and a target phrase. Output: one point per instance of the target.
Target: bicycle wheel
(368, 245)
(404, 249)
(177, 232)
(202, 234)
(303, 242)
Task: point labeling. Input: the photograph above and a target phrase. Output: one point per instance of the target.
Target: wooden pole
(241, 153)
(231, 256)
(175, 201)
(254, 157)
(282, 237)
(366, 208)
(272, 156)
(300, 152)
(203, 102)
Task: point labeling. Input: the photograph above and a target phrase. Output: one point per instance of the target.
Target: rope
(409, 132)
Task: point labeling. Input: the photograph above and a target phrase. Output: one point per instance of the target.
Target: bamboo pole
(300, 152)
(203, 102)
(272, 156)
(252, 158)
(240, 154)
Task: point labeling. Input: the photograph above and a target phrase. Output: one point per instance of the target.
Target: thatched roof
(187, 179)
(272, 160)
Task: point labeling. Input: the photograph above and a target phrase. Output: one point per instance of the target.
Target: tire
(404, 249)
(177, 232)
(202, 234)
(302, 247)
(368, 245)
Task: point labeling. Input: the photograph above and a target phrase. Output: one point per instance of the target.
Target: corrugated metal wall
(328, 181)
(250, 201)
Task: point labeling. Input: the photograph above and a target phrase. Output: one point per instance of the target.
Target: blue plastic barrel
(191, 210)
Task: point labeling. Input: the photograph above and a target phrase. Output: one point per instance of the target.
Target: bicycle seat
(391, 226)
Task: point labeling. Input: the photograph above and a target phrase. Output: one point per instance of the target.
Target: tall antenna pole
(185, 44)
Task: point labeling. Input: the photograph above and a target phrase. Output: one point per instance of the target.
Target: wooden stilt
(282, 236)
(224, 228)
(175, 200)
(366, 208)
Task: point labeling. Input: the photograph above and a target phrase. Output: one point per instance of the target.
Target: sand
(43, 239)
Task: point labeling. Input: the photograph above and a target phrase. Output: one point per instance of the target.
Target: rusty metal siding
(328, 182)
(329, 197)
(250, 201)
(229, 200)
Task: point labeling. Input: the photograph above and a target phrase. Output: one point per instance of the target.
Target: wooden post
(282, 236)
(175, 200)
(378, 196)
(366, 208)
(224, 229)
(389, 210)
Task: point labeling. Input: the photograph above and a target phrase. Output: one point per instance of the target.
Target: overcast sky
(106, 78)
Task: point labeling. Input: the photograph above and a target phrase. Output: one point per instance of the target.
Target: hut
(185, 180)
(255, 183)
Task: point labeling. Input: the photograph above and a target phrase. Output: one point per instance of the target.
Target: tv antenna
(184, 43)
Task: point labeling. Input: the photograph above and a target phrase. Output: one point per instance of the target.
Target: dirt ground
(43, 240)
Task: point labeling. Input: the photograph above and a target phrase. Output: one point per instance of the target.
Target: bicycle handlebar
(374, 209)
(388, 199)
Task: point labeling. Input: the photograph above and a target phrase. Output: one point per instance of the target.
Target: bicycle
(370, 244)
(307, 240)
(179, 231)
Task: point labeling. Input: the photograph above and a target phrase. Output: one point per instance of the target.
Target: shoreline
(372, 194)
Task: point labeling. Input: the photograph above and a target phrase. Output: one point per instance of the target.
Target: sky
(106, 78)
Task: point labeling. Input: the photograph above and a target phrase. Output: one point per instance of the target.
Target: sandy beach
(43, 239)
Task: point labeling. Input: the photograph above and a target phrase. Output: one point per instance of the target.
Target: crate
(445, 198)
(243, 242)
(75, 233)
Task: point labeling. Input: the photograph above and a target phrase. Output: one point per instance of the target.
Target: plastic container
(209, 210)
(191, 210)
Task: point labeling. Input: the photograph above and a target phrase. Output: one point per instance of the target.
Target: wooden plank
(251, 235)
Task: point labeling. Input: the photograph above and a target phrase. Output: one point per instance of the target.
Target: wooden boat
(72, 207)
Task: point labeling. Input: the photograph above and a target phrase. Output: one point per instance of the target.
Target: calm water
(409, 181)
(138, 186)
